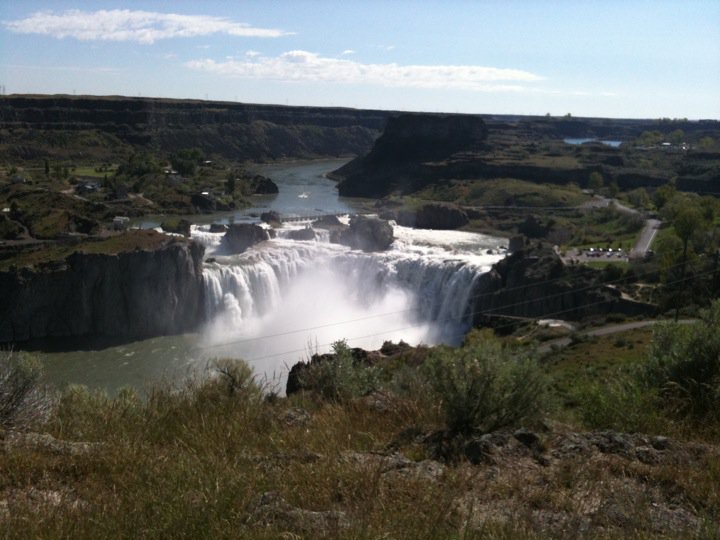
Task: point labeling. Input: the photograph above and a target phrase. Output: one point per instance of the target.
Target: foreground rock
(272, 510)
(366, 234)
(139, 292)
(23, 442)
(240, 236)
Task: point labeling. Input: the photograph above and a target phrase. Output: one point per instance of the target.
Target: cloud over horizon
(139, 26)
(304, 66)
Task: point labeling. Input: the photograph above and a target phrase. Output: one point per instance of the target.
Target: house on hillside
(120, 223)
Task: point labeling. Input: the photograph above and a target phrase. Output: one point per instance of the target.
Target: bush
(339, 377)
(622, 405)
(231, 378)
(24, 401)
(684, 365)
(486, 386)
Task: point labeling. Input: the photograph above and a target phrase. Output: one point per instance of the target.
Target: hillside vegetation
(487, 441)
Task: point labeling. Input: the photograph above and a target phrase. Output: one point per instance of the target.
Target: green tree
(649, 138)
(664, 194)
(230, 184)
(677, 136)
(707, 143)
(47, 169)
(687, 222)
(186, 161)
(596, 181)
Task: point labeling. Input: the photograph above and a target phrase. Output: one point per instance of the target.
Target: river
(283, 300)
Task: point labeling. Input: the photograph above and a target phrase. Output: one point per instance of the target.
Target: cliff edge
(131, 294)
(397, 160)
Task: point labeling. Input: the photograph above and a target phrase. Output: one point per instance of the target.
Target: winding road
(605, 331)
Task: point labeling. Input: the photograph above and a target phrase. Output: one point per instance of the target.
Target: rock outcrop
(271, 217)
(365, 233)
(534, 283)
(263, 185)
(302, 234)
(396, 161)
(430, 216)
(132, 294)
(241, 236)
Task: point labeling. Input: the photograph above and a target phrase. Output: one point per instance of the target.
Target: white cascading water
(283, 300)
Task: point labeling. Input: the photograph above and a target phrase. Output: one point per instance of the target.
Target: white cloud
(127, 25)
(252, 54)
(347, 52)
(303, 66)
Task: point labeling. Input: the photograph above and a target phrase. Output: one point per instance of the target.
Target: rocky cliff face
(132, 294)
(396, 161)
(534, 283)
(235, 130)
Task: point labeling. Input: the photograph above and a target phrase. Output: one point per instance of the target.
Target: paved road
(647, 235)
(605, 331)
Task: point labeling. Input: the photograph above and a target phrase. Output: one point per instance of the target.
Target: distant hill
(234, 130)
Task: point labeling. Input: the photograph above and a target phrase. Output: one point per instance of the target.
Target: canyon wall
(133, 294)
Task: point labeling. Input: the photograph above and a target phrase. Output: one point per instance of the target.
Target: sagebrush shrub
(24, 400)
(684, 365)
(341, 376)
(486, 386)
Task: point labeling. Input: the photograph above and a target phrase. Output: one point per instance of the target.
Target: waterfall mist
(284, 300)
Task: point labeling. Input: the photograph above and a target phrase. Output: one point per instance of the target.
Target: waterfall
(283, 297)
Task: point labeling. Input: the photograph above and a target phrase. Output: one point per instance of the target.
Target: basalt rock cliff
(398, 159)
(533, 282)
(36, 124)
(420, 150)
(132, 294)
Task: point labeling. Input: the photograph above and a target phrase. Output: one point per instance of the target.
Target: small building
(86, 188)
(120, 223)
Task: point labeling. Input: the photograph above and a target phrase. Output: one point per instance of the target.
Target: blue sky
(609, 58)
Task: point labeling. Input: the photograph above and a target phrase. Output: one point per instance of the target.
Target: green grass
(504, 192)
(601, 265)
(594, 359)
(92, 171)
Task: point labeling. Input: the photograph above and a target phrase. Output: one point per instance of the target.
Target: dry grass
(218, 459)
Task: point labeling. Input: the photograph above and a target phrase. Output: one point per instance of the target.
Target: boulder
(272, 510)
(327, 222)
(203, 203)
(218, 228)
(440, 216)
(177, 226)
(302, 234)
(270, 217)
(264, 186)
(241, 236)
(367, 234)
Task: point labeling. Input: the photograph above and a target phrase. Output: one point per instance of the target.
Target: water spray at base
(283, 300)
